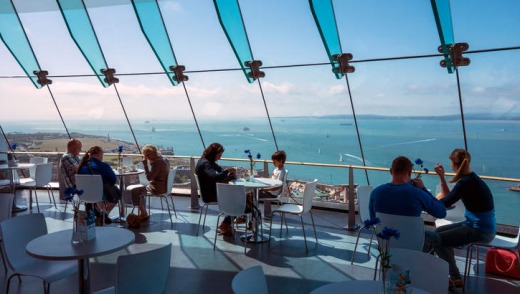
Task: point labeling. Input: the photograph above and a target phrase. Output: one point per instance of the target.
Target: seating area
(196, 268)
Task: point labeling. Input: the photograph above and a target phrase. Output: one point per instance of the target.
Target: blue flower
(70, 192)
(14, 146)
(120, 148)
(369, 223)
(388, 233)
(258, 155)
(420, 163)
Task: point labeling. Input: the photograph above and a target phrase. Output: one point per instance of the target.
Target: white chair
(38, 160)
(454, 214)
(6, 208)
(296, 209)
(411, 230)
(427, 271)
(278, 200)
(206, 205)
(250, 281)
(169, 187)
(143, 272)
(42, 178)
(17, 232)
(355, 286)
(231, 202)
(363, 195)
(92, 186)
(500, 242)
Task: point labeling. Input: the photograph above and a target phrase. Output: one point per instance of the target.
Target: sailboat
(341, 157)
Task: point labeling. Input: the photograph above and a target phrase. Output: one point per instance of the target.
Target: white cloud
(337, 89)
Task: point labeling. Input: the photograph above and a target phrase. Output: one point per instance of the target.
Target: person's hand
(231, 170)
(439, 169)
(417, 182)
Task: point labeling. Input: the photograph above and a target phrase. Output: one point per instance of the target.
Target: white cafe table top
(19, 166)
(257, 183)
(57, 245)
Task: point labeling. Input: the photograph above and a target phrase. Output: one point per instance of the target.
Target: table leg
(122, 204)
(84, 276)
(256, 236)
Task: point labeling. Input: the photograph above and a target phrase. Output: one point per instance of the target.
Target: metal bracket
(255, 65)
(343, 68)
(109, 75)
(42, 77)
(455, 54)
(179, 73)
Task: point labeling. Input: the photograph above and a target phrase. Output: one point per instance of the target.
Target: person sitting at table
(68, 166)
(403, 195)
(480, 223)
(278, 159)
(209, 174)
(92, 164)
(157, 175)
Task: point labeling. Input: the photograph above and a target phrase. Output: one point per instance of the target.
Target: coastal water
(492, 143)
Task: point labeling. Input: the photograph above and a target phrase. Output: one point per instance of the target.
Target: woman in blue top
(92, 164)
(480, 223)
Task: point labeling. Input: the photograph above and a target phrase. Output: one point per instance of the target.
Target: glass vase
(251, 174)
(76, 236)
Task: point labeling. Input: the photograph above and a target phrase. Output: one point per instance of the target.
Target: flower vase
(384, 278)
(76, 236)
(251, 174)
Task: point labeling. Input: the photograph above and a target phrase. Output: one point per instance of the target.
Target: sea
(493, 144)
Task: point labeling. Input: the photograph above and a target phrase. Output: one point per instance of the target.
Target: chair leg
(270, 231)
(173, 205)
(167, 206)
(216, 231)
(304, 237)
(3, 256)
(313, 227)
(467, 266)
(200, 217)
(355, 246)
(49, 192)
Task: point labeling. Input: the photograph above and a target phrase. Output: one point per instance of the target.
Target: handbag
(502, 262)
(132, 220)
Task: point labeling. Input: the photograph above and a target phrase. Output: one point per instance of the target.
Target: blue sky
(280, 33)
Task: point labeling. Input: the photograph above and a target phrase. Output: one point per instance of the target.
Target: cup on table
(133, 167)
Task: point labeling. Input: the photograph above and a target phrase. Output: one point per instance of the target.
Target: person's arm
(157, 167)
(432, 205)
(371, 206)
(439, 169)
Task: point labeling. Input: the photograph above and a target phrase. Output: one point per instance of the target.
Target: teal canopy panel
(230, 18)
(80, 28)
(15, 39)
(152, 24)
(323, 13)
(442, 12)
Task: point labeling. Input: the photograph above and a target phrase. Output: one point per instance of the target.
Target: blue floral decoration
(120, 148)
(70, 192)
(14, 146)
(420, 163)
(371, 222)
(388, 233)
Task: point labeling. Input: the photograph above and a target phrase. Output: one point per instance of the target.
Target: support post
(194, 204)
(351, 226)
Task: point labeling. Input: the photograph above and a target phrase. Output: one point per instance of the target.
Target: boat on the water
(515, 188)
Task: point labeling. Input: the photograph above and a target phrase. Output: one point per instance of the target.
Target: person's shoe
(108, 220)
(241, 220)
(144, 217)
(456, 283)
(225, 229)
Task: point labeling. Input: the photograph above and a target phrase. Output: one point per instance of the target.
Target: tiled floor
(196, 268)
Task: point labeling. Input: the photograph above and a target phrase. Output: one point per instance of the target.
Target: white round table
(256, 184)
(10, 169)
(58, 246)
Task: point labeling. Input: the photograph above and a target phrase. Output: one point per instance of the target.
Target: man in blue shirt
(403, 195)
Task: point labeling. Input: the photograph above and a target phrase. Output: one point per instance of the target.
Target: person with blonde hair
(157, 175)
(480, 223)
